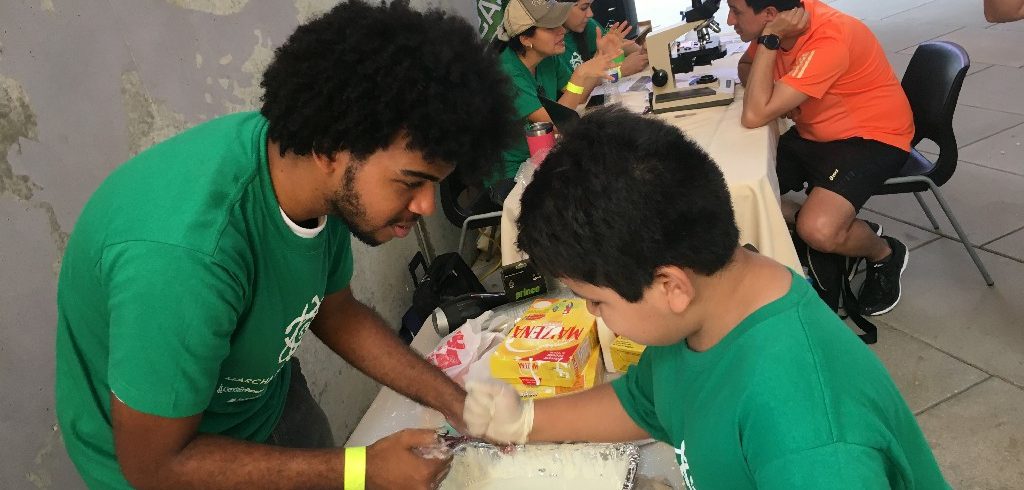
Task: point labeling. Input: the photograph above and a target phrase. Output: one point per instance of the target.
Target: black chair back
(932, 83)
(460, 201)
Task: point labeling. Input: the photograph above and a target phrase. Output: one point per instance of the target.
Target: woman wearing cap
(530, 39)
(581, 42)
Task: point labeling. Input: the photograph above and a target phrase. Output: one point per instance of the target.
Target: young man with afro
(196, 268)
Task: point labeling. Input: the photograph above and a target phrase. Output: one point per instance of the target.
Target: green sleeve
(341, 266)
(172, 313)
(839, 466)
(563, 73)
(635, 391)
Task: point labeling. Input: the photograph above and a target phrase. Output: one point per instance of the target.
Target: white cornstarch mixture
(542, 467)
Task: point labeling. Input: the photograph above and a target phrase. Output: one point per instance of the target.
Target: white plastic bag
(468, 344)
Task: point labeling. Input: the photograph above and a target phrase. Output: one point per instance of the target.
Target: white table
(746, 157)
(391, 412)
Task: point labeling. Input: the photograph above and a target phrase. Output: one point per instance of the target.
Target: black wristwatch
(770, 41)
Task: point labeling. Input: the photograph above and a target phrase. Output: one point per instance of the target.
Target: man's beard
(347, 205)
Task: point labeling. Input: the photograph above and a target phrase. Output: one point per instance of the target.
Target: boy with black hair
(753, 380)
(197, 267)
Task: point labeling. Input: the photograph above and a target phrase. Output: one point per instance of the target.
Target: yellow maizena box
(625, 353)
(550, 344)
(586, 380)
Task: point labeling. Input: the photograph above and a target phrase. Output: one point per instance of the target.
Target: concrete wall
(86, 84)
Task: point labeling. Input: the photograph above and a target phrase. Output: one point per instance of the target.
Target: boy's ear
(675, 286)
(770, 13)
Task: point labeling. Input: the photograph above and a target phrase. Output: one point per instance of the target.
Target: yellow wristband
(355, 468)
(572, 88)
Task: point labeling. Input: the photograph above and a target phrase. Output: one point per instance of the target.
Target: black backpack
(448, 276)
(830, 275)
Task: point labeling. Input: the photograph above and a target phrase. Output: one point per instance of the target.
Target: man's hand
(392, 462)
(495, 412)
(789, 24)
(793, 114)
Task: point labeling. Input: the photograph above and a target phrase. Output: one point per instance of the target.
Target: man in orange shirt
(853, 126)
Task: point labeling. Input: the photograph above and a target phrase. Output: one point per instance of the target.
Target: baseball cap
(521, 15)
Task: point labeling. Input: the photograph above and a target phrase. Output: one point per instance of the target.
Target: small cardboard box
(551, 342)
(625, 353)
(592, 375)
(521, 281)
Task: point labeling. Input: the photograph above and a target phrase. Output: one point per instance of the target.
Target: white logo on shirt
(297, 328)
(684, 466)
(575, 60)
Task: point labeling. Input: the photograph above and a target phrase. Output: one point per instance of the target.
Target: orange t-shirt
(851, 86)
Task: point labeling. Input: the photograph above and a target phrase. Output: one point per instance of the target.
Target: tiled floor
(955, 346)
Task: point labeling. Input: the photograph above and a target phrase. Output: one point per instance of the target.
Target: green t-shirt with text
(789, 399)
(552, 75)
(573, 55)
(184, 290)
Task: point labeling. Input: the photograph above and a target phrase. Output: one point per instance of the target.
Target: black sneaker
(881, 290)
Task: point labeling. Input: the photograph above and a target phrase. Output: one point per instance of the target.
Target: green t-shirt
(552, 75)
(184, 290)
(573, 56)
(789, 399)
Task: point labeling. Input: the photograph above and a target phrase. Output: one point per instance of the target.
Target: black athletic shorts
(853, 168)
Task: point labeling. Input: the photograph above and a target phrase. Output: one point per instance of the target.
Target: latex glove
(494, 411)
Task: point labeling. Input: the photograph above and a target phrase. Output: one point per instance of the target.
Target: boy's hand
(494, 411)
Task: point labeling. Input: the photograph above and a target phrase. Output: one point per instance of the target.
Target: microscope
(668, 57)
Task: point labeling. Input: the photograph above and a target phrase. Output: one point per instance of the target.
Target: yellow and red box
(550, 344)
(591, 376)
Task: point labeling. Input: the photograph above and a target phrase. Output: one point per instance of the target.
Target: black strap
(852, 308)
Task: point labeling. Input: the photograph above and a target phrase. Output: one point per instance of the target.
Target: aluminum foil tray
(478, 466)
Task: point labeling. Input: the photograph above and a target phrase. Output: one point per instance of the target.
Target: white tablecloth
(746, 157)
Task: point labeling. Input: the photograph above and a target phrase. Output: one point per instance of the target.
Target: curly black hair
(360, 76)
(621, 195)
